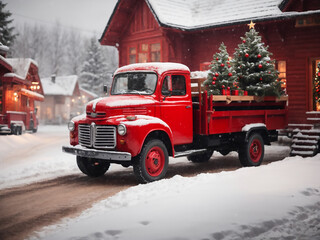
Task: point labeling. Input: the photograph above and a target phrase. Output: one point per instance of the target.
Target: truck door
(176, 108)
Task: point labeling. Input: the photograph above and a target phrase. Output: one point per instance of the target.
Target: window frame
(144, 48)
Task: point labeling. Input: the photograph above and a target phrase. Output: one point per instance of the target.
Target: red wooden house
(190, 32)
(20, 87)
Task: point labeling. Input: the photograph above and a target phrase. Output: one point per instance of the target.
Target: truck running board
(189, 152)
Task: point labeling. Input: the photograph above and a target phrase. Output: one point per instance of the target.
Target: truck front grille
(97, 136)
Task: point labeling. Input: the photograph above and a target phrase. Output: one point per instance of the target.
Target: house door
(315, 72)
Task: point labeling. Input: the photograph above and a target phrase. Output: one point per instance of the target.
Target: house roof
(5, 64)
(63, 85)
(88, 93)
(190, 15)
(195, 14)
(20, 66)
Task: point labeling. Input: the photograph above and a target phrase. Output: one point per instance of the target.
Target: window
(308, 21)
(174, 86)
(136, 83)
(315, 70)
(282, 69)
(145, 52)
(178, 85)
(132, 55)
(155, 52)
(166, 86)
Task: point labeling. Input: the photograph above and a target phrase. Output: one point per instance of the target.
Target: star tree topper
(251, 25)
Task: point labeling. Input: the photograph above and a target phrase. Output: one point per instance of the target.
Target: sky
(85, 16)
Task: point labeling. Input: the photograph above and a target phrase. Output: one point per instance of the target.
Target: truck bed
(219, 114)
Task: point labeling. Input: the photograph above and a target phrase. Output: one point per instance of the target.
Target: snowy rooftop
(91, 94)
(193, 14)
(21, 66)
(64, 85)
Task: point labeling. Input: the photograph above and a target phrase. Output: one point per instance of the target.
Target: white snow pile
(280, 200)
(33, 157)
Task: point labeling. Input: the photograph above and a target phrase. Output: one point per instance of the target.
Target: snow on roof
(64, 85)
(159, 67)
(5, 60)
(88, 92)
(193, 14)
(21, 66)
(3, 48)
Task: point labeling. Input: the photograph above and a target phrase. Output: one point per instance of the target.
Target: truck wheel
(202, 157)
(252, 152)
(19, 130)
(152, 163)
(92, 167)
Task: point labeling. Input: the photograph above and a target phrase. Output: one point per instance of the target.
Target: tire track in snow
(28, 208)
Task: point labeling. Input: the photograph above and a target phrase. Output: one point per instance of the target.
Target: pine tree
(316, 86)
(6, 32)
(221, 75)
(93, 73)
(255, 70)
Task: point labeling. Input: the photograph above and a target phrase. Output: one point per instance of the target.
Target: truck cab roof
(158, 67)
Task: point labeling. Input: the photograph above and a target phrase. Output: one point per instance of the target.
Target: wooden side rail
(197, 87)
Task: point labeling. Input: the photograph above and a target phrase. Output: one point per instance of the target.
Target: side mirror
(105, 88)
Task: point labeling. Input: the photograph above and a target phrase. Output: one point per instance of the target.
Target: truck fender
(256, 127)
(149, 127)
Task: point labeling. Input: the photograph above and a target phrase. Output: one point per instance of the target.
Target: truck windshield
(134, 83)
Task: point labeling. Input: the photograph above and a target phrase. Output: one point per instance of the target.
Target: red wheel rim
(255, 151)
(155, 161)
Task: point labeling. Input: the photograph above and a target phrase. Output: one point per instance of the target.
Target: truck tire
(92, 167)
(202, 157)
(152, 163)
(34, 130)
(19, 130)
(252, 152)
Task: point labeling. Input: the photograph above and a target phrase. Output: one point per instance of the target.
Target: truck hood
(115, 105)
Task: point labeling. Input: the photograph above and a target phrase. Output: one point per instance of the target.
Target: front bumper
(99, 154)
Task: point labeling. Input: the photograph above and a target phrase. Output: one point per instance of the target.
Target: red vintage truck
(154, 111)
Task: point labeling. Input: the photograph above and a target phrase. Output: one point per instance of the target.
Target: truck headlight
(122, 129)
(71, 126)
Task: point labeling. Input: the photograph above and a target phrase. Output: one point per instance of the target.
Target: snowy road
(47, 186)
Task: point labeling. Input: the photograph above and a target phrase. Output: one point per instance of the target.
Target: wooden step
(305, 142)
(304, 147)
(302, 153)
(313, 117)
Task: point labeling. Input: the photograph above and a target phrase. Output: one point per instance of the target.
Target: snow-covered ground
(280, 200)
(33, 157)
